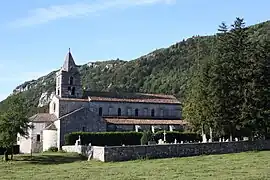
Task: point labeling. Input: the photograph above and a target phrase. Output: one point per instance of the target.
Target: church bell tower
(68, 79)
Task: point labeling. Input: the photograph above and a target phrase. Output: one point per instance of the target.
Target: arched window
(119, 111)
(152, 112)
(73, 91)
(100, 111)
(71, 79)
(136, 112)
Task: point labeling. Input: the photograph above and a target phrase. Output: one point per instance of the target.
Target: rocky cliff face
(45, 99)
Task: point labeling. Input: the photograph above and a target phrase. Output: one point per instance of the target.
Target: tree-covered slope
(165, 70)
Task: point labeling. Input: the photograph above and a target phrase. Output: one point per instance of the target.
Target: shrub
(104, 138)
(147, 136)
(53, 149)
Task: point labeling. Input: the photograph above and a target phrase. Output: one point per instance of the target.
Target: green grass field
(251, 165)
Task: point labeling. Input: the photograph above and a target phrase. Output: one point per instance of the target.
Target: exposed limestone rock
(45, 99)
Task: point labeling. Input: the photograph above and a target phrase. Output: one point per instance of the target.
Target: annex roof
(133, 121)
(43, 117)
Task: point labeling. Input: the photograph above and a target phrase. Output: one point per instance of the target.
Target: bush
(147, 136)
(104, 138)
(179, 136)
(53, 149)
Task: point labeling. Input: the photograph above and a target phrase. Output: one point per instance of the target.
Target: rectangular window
(38, 137)
(83, 128)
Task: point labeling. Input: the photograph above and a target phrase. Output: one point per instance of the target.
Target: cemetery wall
(125, 153)
(97, 153)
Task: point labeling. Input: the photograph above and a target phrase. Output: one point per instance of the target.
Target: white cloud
(55, 12)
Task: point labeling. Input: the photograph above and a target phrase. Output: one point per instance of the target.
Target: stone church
(72, 109)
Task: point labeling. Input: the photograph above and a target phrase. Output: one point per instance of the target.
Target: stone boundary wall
(97, 153)
(78, 149)
(125, 153)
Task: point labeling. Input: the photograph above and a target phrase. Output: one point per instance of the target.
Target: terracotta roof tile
(74, 99)
(43, 117)
(155, 101)
(126, 97)
(131, 121)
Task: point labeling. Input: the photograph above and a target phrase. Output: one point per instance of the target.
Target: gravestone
(89, 151)
(160, 141)
(78, 141)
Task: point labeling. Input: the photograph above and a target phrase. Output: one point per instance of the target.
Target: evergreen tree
(197, 105)
(256, 105)
(227, 77)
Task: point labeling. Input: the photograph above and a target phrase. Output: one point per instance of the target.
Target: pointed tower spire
(69, 62)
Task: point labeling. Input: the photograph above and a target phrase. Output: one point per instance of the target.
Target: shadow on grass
(47, 159)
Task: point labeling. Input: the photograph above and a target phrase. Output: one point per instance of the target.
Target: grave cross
(164, 136)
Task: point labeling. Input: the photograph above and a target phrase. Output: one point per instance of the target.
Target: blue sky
(36, 35)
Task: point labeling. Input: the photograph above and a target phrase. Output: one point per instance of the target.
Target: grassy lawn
(251, 165)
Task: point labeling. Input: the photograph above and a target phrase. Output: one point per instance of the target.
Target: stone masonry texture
(125, 153)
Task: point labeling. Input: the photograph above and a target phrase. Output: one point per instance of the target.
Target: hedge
(104, 138)
(16, 150)
(127, 138)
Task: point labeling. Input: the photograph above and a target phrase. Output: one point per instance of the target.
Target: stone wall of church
(63, 84)
(83, 120)
(66, 107)
(144, 109)
(54, 106)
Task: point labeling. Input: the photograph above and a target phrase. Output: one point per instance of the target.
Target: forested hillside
(230, 92)
(165, 70)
